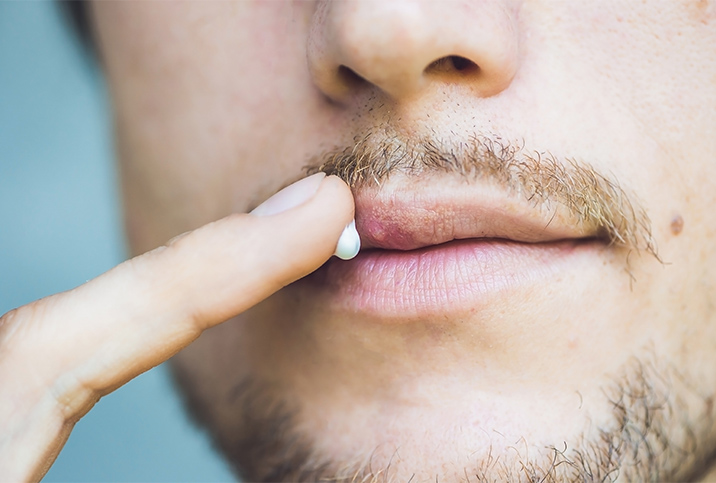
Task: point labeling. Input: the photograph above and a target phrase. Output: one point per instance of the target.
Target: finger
(67, 350)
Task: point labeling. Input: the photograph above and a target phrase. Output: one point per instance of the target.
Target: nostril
(349, 77)
(461, 63)
(452, 64)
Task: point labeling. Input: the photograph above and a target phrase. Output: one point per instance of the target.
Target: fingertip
(306, 236)
(338, 192)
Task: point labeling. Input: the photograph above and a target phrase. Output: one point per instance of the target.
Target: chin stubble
(660, 429)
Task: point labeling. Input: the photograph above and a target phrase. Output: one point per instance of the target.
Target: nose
(404, 46)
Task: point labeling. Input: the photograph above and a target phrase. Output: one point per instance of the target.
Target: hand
(60, 354)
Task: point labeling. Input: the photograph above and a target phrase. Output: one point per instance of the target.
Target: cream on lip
(349, 243)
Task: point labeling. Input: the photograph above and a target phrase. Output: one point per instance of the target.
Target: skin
(218, 105)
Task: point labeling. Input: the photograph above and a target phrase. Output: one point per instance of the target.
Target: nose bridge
(394, 45)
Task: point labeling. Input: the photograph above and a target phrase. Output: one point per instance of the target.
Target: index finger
(65, 351)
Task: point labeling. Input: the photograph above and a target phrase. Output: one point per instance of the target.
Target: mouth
(437, 247)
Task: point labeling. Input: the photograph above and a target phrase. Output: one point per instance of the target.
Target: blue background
(60, 225)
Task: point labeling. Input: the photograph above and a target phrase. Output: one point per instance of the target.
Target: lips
(441, 247)
(406, 217)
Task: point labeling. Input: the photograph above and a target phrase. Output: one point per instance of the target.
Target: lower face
(478, 358)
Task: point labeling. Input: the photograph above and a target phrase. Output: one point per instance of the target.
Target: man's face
(534, 191)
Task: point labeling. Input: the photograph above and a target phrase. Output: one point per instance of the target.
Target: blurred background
(60, 225)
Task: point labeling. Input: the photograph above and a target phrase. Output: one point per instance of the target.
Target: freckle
(677, 224)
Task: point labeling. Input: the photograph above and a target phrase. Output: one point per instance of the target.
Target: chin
(471, 436)
(300, 389)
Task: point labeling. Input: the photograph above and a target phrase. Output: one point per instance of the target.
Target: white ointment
(349, 242)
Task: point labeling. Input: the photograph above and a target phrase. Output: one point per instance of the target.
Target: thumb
(61, 353)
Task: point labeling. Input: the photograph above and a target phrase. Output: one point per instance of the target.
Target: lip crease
(447, 249)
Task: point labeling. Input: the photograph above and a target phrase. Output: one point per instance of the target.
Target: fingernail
(291, 196)
(349, 242)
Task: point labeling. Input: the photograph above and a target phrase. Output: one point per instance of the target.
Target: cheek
(210, 104)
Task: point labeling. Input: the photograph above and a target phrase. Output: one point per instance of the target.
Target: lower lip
(443, 280)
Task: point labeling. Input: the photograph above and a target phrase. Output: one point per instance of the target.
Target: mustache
(592, 198)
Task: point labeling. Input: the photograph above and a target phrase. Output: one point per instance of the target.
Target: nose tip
(403, 46)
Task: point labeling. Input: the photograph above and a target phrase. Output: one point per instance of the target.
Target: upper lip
(408, 216)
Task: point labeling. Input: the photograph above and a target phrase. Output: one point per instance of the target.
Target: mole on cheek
(677, 224)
